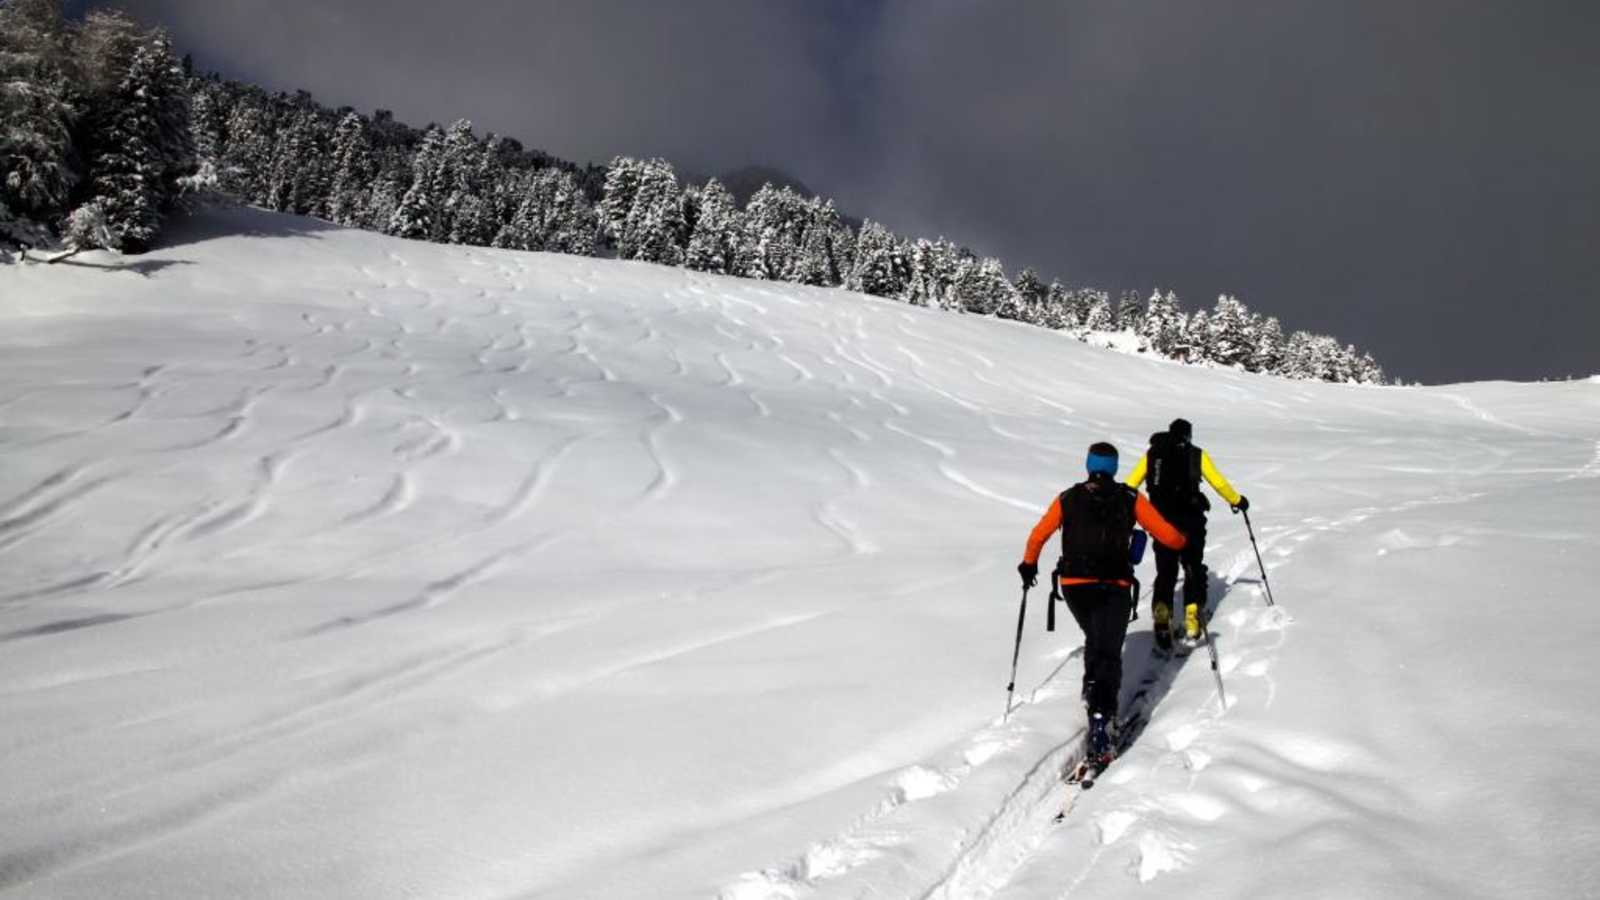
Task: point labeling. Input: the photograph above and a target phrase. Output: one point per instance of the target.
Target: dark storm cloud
(698, 81)
(1420, 178)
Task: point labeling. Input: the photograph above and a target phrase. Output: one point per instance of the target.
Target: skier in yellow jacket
(1174, 467)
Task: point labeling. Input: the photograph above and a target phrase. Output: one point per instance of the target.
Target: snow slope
(340, 566)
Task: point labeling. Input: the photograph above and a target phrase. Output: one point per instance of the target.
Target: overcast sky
(1420, 178)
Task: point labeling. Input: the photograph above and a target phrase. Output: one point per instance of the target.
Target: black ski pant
(1102, 611)
(1191, 559)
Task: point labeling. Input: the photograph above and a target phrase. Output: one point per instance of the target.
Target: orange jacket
(1143, 510)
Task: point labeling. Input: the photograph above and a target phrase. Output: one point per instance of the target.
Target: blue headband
(1100, 464)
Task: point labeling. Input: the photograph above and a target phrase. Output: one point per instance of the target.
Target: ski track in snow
(470, 400)
(982, 857)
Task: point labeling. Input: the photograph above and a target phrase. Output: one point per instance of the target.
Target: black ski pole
(1016, 652)
(1259, 564)
(1055, 596)
(1211, 646)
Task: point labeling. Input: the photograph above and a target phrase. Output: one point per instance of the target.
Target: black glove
(1243, 505)
(1029, 572)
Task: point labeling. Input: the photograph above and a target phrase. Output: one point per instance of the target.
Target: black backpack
(1097, 519)
(1172, 475)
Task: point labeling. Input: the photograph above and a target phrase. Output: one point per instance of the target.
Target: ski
(1085, 773)
(1082, 774)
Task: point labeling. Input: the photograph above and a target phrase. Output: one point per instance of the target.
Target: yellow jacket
(1208, 470)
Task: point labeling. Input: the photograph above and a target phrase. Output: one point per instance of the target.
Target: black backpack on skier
(1097, 519)
(1172, 475)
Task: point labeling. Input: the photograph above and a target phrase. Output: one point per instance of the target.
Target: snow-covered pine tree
(1130, 313)
(470, 218)
(1324, 358)
(881, 268)
(553, 216)
(623, 177)
(139, 138)
(774, 222)
(714, 241)
(1342, 359)
(1029, 296)
(1165, 325)
(654, 226)
(1197, 338)
(1267, 347)
(921, 289)
(500, 183)
(245, 157)
(208, 118)
(1057, 310)
(935, 268)
(381, 203)
(1231, 343)
(750, 261)
(1179, 322)
(207, 115)
(1097, 313)
(571, 225)
(394, 145)
(1299, 357)
(519, 231)
(420, 209)
(983, 288)
(168, 94)
(689, 204)
(86, 227)
(842, 244)
(38, 110)
(627, 233)
(1368, 371)
(299, 177)
(794, 217)
(816, 264)
(476, 205)
(284, 165)
(353, 166)
(454, 183)
(1318, 366)
(1079, 302)
(925, 287)
(581, 234)
(1160, 328)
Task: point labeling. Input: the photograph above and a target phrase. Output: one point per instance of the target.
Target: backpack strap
(1110, 515)
(1196, 471)
(1061, 561)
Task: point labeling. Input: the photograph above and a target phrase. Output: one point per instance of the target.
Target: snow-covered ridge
(340, 566)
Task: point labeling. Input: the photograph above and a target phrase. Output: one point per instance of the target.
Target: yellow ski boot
(1191, 626)
(1162, 614)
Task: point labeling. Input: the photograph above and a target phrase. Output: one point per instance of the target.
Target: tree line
(107, 131)
(94, 128)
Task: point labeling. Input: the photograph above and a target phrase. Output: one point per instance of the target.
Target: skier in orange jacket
(1096, 519)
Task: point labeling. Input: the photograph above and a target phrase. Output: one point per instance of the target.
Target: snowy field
(339, 566)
